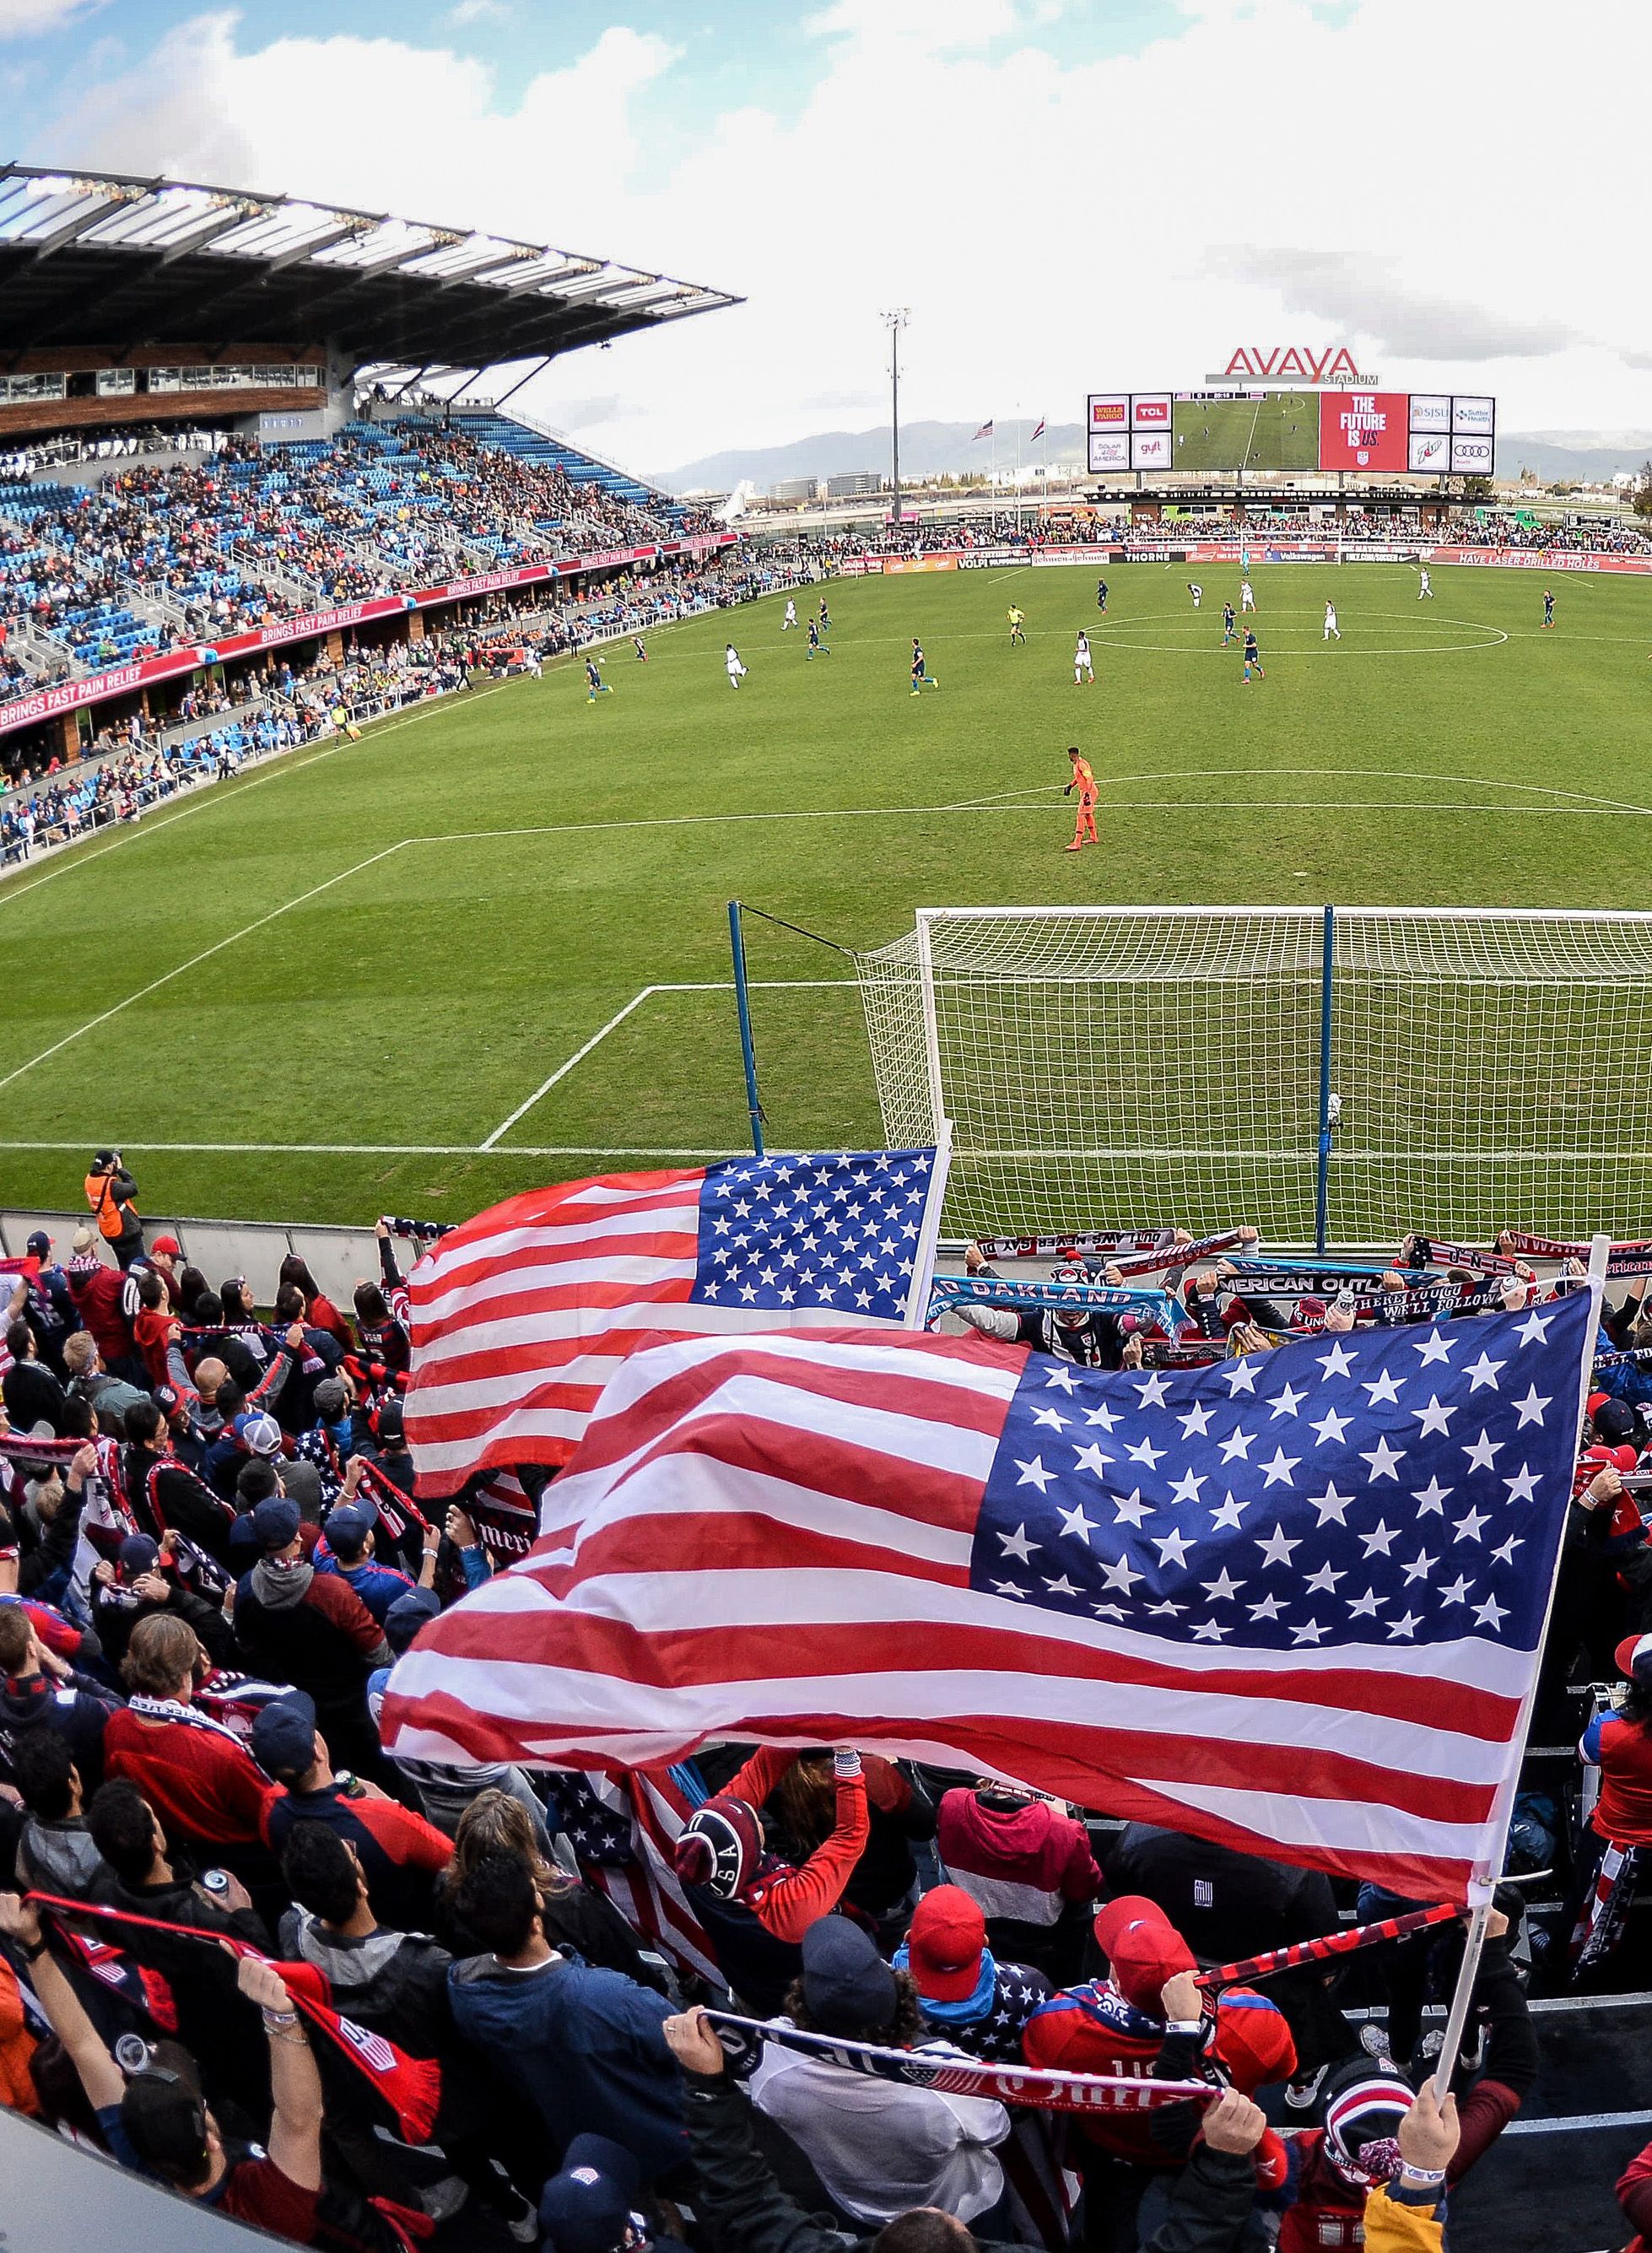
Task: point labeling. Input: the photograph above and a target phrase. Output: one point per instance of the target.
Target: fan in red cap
(1118, 2025)
(978, 2003)
(753, 1907)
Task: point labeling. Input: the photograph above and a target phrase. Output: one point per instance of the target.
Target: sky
(1065, 195)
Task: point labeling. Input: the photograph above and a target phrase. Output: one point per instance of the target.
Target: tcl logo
(1153, 410)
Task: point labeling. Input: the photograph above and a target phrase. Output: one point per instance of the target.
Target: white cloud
(478, 11)
(1051, 222)
(26, 19)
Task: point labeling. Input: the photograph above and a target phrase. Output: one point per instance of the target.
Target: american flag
(1292, 1602)
(521, 1317)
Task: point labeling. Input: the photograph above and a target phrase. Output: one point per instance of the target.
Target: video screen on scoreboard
(1369, 432)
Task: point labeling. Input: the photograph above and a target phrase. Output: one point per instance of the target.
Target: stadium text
(1334, 364)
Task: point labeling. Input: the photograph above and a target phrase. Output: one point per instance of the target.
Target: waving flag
(1293, 1602)
(521, 1317)
(1038, 433)
(985, 431)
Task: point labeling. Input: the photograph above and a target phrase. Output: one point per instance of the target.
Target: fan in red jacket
(1022, 1859)
(721, 1847)
(1115, 2025)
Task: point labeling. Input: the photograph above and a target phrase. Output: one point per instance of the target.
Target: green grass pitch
(1279, 431)
(359, 962)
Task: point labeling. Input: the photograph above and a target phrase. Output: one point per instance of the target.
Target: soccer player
(1247, 596)
(790, 617)
(1424, 590)
(1252, 657)
(596, 686)
(817, 647)
(1083, 782)
(1196, 592)
(637, 644)
(732, 666)
(1101, 594)
(1082, 669)
(1548, 608)
(1017, 620)
(825, 617)
(1333, 631)
(1227, 628)
(920, 676)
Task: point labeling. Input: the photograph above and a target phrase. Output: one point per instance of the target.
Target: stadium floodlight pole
(895, 322)
(743, 1010)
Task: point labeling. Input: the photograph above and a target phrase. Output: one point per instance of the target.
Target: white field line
(702, 985)
(205, 955)
(391, 1150)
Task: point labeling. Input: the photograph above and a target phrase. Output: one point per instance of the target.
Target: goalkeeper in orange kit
(1085, 783)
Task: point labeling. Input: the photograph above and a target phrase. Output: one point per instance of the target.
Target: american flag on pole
(1293, 1602)
(985, 431)
(1038, 433)
(521, 1317)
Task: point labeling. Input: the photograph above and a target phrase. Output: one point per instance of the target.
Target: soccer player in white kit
(1247, 597)
(1333, 631)
(1423, 586)
(1196, 592)
(1082, 665)
(790, 617)
(732, 666)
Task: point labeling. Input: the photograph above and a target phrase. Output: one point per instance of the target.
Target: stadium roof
(100, 261)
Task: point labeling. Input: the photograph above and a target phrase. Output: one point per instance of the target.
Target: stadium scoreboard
(1426, 433)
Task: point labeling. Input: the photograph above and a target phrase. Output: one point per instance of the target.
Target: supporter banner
(953, 2075)
(948, 1292)
(1076, 1240)
(70, 695)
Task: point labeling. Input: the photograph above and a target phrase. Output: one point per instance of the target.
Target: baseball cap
(329, 1398)
(1634, 1657)
(945, 1945)
(40, 1244)
(587, 2206)
(1254, 2040)
(1143, 1949)
(283, 1736)
(258, 1433)
(138, 1553)
(275, 1521)
(163, 2114)
(846, 1985)
(169, 1244)
(1613, 1422)
(408, 1614)
(83, 1239)
(347, 1529)
(390, 1424)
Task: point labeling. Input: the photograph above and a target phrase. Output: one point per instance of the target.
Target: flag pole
(1480, 1890)
(917, 1297)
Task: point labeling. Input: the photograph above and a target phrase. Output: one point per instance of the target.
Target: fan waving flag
(521, 1317)
(1293, 1602)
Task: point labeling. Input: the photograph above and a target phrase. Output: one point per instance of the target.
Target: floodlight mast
(896, 322)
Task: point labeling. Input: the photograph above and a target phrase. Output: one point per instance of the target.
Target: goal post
(1102, 1066)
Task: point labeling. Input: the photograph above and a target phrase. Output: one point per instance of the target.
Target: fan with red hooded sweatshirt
(753, 1907)
(1116, 2026)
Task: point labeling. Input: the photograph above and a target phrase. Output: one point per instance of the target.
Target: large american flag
(1292, 1602)
(521, 1317)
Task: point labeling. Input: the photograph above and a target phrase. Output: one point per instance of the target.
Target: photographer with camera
(112, 1193)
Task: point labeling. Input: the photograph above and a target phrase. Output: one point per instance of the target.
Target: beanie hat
(847, 1988)
(946, 1946)
(719, 1847)
(1143, 1949)
(1254, 2040)
(1365, 2101)
(587, 2208)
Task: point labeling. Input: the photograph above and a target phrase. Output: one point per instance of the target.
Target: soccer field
(1279, 431)
(487, 946)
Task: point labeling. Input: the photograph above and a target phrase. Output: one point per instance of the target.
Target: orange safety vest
(101, 1197)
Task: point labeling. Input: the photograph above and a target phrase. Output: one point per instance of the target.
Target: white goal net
(1108, 1065)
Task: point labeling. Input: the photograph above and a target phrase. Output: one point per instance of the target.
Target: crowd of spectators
(279, 706)
(211, 1550)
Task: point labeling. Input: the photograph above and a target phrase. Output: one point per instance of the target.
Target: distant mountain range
(931, 450)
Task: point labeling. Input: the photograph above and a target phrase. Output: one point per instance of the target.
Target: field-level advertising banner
(1364, 431)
